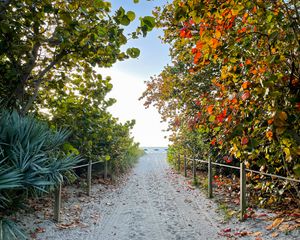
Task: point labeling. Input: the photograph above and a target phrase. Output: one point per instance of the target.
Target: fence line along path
(242, 169)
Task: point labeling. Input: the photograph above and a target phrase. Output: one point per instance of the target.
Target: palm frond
(10, 231)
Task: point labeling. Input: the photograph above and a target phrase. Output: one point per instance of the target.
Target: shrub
(31, 163)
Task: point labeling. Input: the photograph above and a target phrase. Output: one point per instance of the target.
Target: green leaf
(212, 118)
(66, 17)
(217, 129)
(133, 52)
(125, 20)
(131, 15)
(149, 22)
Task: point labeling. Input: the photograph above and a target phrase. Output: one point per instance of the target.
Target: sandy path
(152, 207)
(153, 204)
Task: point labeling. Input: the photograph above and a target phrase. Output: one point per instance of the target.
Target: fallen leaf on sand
(68, 225)
(227, 230)
(244, 233)
(231, 213)
(284, 227)
(292, 227)
(275, 223)
(274, 234)
(40, 230)
(256, 234)
(262, 215)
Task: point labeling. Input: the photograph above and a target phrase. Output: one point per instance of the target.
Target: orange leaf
(245, 17)
(199, 45)
(275, 223)
(218, 34)
(245, 85)
(254, 71)
(214, 43)
(269, 135)
(201, 31)
(229, 118)
(234, 101)
(210, 109)
(270, 121)
(198, 55)
(248, 62)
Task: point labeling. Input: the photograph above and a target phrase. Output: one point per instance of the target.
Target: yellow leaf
(286, 142)
(235, 12)
(287, 153)
(282, 58)
(218, 34)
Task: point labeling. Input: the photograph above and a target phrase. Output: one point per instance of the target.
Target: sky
(128, 79)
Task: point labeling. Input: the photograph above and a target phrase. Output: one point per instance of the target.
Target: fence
(242, 169)
(57, 192)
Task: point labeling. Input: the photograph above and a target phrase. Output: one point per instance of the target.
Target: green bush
(31, 162)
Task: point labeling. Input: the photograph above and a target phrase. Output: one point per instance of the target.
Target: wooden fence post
(242, 191)
(105, 169)
(210, 177)
(185, 166)
(178, 169)
(89, 178)
(57, 203)
(194, 171)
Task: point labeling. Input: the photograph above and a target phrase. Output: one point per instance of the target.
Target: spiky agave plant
(31, 163)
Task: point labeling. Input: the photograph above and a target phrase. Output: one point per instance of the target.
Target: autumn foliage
(234, 82)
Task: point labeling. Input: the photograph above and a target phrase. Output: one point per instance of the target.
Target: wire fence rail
(58, 189)
(241, 168)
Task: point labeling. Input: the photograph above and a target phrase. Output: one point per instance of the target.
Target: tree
(42, 40)
(238, 80)
(81, 106)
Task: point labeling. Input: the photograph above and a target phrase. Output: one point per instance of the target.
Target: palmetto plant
(30, 163)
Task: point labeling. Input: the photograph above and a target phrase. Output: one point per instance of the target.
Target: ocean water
(155, 149)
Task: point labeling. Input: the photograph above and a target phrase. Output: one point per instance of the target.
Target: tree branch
(40, 78)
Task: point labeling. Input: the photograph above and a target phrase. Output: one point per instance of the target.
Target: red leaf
(244, 140)
(246, 95)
